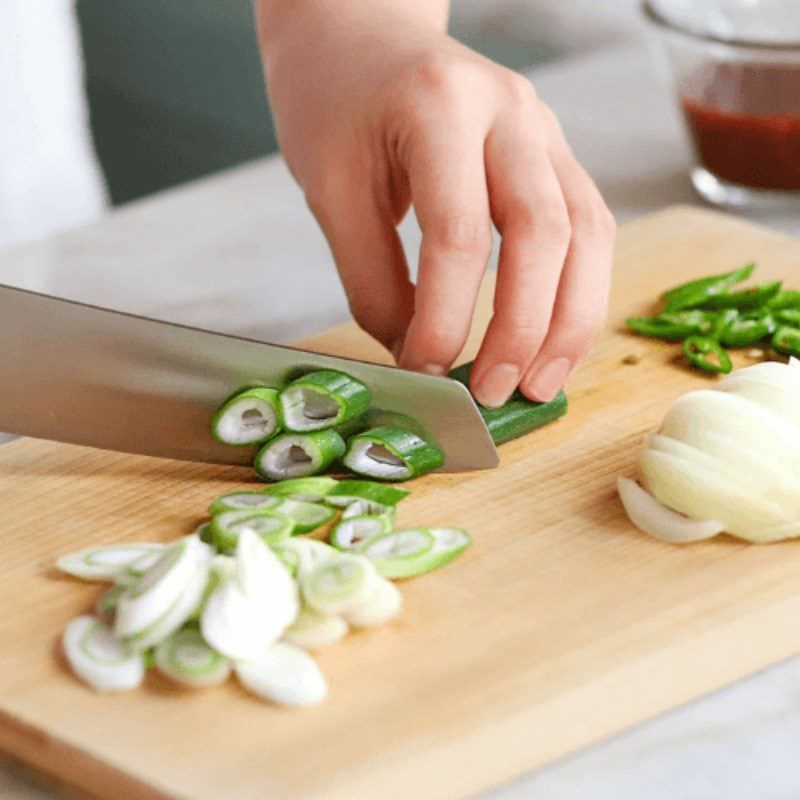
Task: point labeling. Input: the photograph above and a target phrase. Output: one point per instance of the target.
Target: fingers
(529, 210)
(448, 190)
(581, 302)
(369, 257)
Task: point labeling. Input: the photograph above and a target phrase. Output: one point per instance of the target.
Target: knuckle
(519, 329)
(595, 219)
(548, 222)
(582, 331)
(443, 341)
(460, 233)
(441, 77)
(518, 88)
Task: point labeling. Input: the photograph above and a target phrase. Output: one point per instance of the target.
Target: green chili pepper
(744, 332)
(725, 319)
(786, 341)
(789, 316)
(786, 298)
(695, 293)
(754, 297)
(674, 327)
(707, 355)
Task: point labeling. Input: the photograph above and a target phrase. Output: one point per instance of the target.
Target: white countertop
(239, 253)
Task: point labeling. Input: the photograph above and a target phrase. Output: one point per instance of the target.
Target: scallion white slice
(284, 674)
(98, 658)
(360, 508)
(155, 593)
(106, 605)
(401, 554)
(104, 563)
(272, 526)
(323, 399)
(339, 585)
(186, 658)
(249, 417)
(351, 533)
(312, 490)
(391, 454)
(350, 491)
(312, 630)
(306, 516)
(238, 501)
(309, 553)
(296, 455)
(381, 606)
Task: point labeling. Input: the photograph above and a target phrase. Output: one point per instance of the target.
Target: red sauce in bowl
(745, 124)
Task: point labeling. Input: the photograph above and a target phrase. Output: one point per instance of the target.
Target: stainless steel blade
(86, 375)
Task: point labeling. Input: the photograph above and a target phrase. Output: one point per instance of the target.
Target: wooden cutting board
(561, 625)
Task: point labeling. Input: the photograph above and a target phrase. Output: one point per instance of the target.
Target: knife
(77, 373)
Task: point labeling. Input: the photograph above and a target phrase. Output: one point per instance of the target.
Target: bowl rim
(661, 21)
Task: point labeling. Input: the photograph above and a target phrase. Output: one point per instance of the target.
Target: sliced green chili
(786, 298)
(789, 316)
(744, 332)
(707, 355)
(696, 292)
(746, 299)
(674, 327)
(786, 341)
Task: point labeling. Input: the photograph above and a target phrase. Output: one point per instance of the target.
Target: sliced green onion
(289, 559)
(204, 533)
(106, 605)
(339, 585)
(249, 417)
(351, 533)
(239, 501)
(156, 592)
(297, 455)
(104, 563)
(272, 526)
(306, 516)
(401, 554)
(310, 554)
(130, 574)
(360, 508)
(284, 674)
(182, 610)
(391, 454)
(348, 491)
(323, 399)
(186, 659)
(98, 659)
(248, 612)
(312, 490)
(382, 605)
(312, 630)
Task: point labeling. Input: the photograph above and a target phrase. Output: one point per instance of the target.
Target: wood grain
(562, 625)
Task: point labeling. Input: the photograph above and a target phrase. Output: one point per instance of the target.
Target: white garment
(49, 177)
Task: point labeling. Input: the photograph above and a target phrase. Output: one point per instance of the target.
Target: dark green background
(176, 90)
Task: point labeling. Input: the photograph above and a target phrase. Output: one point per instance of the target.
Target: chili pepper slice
(724, 320)
(707, 355)
(694, 293)
(786, 298)
(789, 316)
(754, 297)
(744, 332)
(786, 341)
(673, 327)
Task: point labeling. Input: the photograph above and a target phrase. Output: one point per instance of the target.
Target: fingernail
(433, 369)
(496, 385)
(547, 382)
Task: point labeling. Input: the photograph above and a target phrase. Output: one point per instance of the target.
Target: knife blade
(77, 373)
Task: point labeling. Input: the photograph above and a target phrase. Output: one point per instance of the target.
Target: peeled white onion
(727, 459)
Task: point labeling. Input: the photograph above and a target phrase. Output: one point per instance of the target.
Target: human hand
(377, 109)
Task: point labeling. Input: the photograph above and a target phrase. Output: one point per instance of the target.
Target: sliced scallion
(272, 526)
(401, 554)
(106, 605)
(309, 554)
(285, 675)
(360, 508)
(323, 399)
(239, 501)
(349, 491)
(391, 454)
(297, 455)
(312, 630)
(186, 659)
(98, 658)
(351, 533)
(339, 585)
(105, 563)
(312, 490)
(382, 605)
(306, 516)
(249, 417)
